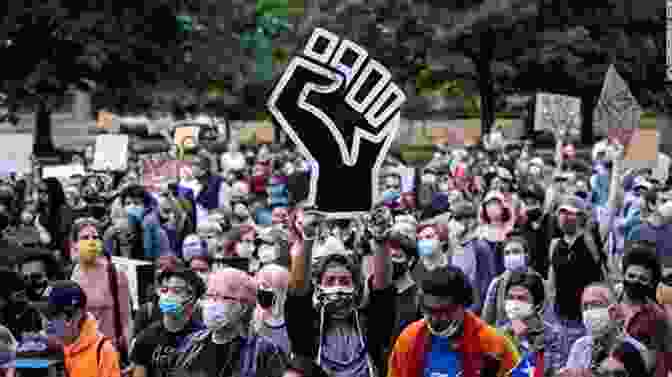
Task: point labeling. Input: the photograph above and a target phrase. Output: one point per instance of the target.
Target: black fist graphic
(342, 111)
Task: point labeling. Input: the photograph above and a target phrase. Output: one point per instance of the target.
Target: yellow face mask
(90, 249)
(664, 294)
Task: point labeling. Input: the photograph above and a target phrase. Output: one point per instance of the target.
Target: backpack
(594, 251)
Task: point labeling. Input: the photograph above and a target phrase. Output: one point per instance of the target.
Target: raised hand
(341, 110)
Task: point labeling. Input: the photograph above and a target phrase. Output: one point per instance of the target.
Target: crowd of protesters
(498, 261)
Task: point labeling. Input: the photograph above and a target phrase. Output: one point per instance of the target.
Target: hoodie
(81, 357)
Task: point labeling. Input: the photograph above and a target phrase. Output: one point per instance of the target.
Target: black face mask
(265, 298)
(36, 289)
(534, 214)
(398, 270)
(636, 290)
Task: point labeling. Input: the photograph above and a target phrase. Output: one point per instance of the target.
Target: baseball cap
(65, 296)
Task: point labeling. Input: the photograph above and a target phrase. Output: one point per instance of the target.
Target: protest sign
(558, 114)
(105, 120)
(111, 152)
(17, 148)
(140, 276)
(63, 172)
(343, 120)
(617, 113)
(642, 153)
(186, 137)
(264, 134)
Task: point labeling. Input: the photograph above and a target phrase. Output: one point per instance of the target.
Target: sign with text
(558, 114)
(17, 148)
(643, 150)
(111, 153)
(617, 113)
(341, 108)
(140, 276)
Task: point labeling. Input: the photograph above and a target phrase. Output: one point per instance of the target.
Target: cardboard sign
(617, 112)
(336, 123)
(264, 135)
(17, 148)
(558, 114)
(111, 152)
(140, 276)
(642, 152)
(63, 171)
(186, 136)
(105, 120)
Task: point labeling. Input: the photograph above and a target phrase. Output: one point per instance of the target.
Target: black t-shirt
(156, 348)
(214, 358)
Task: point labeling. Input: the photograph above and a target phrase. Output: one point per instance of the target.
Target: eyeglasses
(219, 298)
(611, 373)
(180, 291)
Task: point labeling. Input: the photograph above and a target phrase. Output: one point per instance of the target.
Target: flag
(526, 366)
(617, 112)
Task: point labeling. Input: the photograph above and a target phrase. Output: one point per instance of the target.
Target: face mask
(443, 328)
(27, 218)
(427, 247)
(664, 294)
(217, 315)
(135, 212)
(265, 298)
(266, 254)
(90, 249)
(244, 250)
(596, 321)
(444, 187)
(391, 196)
(515, 262)
(516, 309)
(636, 290)
(56, 328)
(534, 214)
(456, 229)
(429, 179)
(171, 305)
(336, 301)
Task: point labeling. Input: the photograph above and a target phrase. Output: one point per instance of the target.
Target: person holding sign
(209, 191)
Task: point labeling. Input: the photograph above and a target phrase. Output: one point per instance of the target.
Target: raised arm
(301, 255)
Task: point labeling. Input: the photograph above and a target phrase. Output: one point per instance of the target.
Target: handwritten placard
(558, 114)
(643, 150)
(17, 148)
(186, 136)
(111, 152)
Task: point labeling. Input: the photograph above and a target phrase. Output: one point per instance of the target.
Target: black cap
(448, 281)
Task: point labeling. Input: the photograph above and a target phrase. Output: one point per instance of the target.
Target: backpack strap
(99, 347)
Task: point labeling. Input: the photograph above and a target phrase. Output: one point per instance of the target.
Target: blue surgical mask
(135, 212)
(515, 262)
(391, 196)
(427, 247)
(56, 328)
(171, 305)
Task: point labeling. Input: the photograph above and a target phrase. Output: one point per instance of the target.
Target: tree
(57, 45)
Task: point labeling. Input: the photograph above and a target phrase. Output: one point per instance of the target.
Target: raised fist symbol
(342, 111)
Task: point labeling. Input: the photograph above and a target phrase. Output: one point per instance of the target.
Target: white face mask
(244, 249)
(516, 309)
(596, 321)
(515, 261)
(217, 315)
(266, 254)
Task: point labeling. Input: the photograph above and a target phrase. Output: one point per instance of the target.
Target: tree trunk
(486, 85)
(588, 102)
(43, 144)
